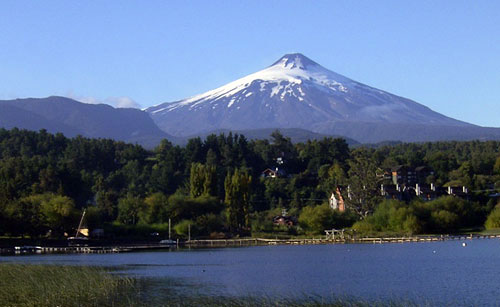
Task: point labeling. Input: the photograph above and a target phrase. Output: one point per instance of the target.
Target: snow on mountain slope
(294, 92)
(289, 71)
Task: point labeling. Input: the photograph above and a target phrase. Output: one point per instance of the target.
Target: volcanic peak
(295, 60)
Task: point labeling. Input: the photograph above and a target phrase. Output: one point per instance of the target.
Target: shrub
(209, 223)
(493, 220)
(393, 216)
(444, 220)
(184, 227)
(315, 219)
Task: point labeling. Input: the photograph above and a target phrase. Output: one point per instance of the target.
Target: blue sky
(443, 54)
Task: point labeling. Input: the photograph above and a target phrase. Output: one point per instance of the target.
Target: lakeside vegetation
(214, 187)
(53, 285)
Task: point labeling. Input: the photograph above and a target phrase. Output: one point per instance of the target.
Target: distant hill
(410, 132)
(12, 116)
(70, 117)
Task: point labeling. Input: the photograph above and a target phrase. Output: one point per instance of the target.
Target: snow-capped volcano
(294, 92)
(283, 78)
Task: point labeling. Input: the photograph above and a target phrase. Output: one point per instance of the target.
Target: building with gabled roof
(276, 173)
(337, 201)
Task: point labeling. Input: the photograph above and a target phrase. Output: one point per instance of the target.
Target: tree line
(215, 187)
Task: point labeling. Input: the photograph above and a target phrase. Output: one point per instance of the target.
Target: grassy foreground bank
(54, 285)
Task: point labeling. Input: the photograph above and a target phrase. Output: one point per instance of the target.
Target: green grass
(51, 285)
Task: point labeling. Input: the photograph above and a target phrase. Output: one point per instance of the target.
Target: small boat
(78, 240)
(168, 242)
(26, 249)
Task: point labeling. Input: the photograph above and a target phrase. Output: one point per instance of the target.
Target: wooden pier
(18, 250)
(332, 240)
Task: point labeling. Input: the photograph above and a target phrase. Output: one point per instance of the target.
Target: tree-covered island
(227, 185)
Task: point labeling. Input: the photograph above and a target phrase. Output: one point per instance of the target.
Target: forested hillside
(216, 184)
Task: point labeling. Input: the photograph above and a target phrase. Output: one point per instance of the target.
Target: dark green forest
(216, 188)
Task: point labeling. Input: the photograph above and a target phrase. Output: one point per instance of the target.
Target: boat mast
(169, 229)
(80, 225)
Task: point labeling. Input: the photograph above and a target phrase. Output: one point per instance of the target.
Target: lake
(433, 273)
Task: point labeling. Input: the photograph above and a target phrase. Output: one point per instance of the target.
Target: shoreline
(315, 241)
(221, 243)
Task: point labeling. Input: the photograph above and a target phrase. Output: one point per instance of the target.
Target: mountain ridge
(294, 94)
(71, 117)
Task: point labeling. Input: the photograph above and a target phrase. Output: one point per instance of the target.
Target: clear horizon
(444, 55)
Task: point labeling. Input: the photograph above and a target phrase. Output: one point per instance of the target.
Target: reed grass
(55, 285)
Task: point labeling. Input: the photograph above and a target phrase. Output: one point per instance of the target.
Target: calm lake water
(433, 273)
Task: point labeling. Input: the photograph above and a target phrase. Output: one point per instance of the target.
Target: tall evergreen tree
(237, 198)
(203, 180)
